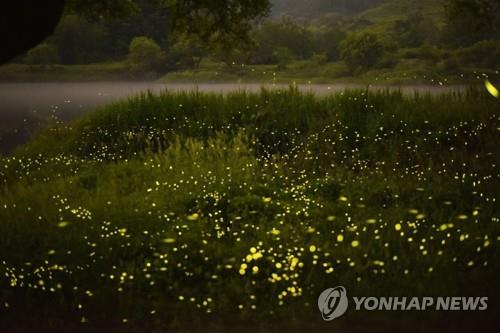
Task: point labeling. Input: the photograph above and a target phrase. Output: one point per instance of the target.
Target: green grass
(64, 73)
(152, 213)
(404, 72)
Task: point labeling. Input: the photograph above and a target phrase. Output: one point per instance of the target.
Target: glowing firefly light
(491, 89)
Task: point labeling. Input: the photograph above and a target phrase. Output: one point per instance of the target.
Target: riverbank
(300, 72)
(68, 73)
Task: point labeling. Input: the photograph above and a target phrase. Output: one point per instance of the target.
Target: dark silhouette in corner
(25, 23)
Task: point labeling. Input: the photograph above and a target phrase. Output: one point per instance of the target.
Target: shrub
(284, 57)
(43, 54)
(145, 55)
(361, 51)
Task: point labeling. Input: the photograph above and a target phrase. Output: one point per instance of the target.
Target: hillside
(390, 11)
(371, 12)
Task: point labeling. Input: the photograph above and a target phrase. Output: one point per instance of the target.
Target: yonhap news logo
(333, 303)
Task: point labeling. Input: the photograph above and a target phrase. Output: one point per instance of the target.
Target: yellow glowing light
(355, 243)
(256, 256)
(491, 89)
(169, 240)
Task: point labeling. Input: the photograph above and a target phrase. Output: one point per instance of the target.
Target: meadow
(182, 209)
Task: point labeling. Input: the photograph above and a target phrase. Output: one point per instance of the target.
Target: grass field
(64, 73)
(178, 210)
(405, 72)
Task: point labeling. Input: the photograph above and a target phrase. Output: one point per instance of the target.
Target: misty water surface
(24, 107)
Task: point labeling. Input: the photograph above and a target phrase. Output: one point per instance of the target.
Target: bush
(43, 54)
(361, 51)
(284, 57)
(145, 55)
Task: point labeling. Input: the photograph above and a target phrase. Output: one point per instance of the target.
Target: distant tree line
(147, 42)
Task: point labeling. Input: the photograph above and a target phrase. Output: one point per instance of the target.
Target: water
(24, 107)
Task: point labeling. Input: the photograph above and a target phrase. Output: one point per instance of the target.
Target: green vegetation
(470, 21)
(145, 55)
(361, 51)
(409, 70)
(43, 54)
(175, 210)
(405, 40)
(90, 72)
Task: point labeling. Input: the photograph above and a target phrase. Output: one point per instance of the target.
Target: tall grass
(161, 208)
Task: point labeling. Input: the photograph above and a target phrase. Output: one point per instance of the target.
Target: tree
(214, 21)
(152, 20)
(42, 54)
(285, 34)
(187, 51)
(145, 55)
(469, 21)
(361, 51)
(79, 40)
(328, 42)
(413, 30)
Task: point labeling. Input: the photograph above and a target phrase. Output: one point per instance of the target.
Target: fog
(26, 107)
